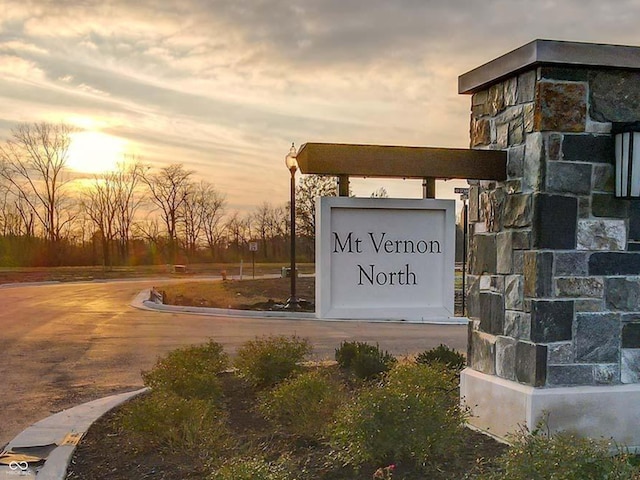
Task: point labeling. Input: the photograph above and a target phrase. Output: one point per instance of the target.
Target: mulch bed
(109, 453)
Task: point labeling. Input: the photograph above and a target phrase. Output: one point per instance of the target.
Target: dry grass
(235, 293)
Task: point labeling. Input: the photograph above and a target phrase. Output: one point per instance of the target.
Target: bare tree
(128, 200)
(98, 202)
(32, 161)
(168, 190)
(310, 187)
(201, 216)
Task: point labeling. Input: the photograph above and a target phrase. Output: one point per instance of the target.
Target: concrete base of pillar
(500, 407)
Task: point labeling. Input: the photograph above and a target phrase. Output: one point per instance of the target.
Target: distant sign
(461, 191)
(253, 246)
(385, 259)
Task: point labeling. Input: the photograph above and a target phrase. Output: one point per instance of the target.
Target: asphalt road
(66, 344)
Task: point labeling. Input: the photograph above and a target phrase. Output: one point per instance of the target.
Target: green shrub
(563, 456)
(413, 416)
(364, 360)
(166, 420)
(190, 372)
(443, 354)
(265, 361)
(303, 405)
(250, 469)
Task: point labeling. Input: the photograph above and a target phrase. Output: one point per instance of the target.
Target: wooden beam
(402, 162)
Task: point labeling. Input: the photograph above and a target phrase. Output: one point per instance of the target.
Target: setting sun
(95, 152)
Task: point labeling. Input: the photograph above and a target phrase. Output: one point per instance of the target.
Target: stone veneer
(554, 267)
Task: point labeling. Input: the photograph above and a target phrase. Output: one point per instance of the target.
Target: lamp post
(292, 165)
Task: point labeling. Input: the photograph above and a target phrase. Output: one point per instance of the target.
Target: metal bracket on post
(343, 185)
(429, 187)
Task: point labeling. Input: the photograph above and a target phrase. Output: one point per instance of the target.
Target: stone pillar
(554, 261)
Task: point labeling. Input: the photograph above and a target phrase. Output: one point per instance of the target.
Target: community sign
(385, 259)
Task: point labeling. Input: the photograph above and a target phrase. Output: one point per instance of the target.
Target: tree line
(135, 214)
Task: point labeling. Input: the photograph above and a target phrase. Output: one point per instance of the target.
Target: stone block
(534, 160)
(513, 186)
(630, 365)
(521, 239)
(597, 337)
(482, 353)
(506, 358)
(553, 145)
(492, 313)
(634, 221)
(502, 135)
(590, 287)
(474, 204)
(528, 116)
(569, 177)
(516, 132)
(631, 335)
(568, 375)
(589, 305)
(600, 128)
(480, 132)
(517, 324)
(614, 263)
(566, 74)
(518, 262)
(511, 91)
(560, 353)
(526, 86)
(496, 283)
(588, 148)
(538, 274)
(603, 178)
(513, 292)
(484, 260)
(603, 205)
(554, 223)
(561, 107)
(610, 235)
(517, 211)
(485, 283)
(504, 261)
(515, 161)
(607, 89)
(584, 207)
(496, 99)
(606, 374)
(551, 320)
(473, 296)
(571, 263)
(531, 363)
(479, 98)
(623, 294)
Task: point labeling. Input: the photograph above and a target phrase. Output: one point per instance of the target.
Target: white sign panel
(385, 259)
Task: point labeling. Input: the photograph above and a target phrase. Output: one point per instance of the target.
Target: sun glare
(95, 152)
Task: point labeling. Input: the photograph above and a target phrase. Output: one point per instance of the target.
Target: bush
(413, 416)
(268, 360)
(364, 360)
(444, 355)
(166, 420)
(561, 457)
(190, 372)
(304, 405)
(250, 469)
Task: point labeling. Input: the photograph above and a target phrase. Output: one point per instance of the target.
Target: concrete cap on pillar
(549, 52)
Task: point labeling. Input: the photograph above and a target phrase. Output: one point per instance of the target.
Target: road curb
(57, 437)
(142, 302)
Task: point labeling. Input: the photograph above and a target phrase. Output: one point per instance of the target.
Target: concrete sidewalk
(54, 439)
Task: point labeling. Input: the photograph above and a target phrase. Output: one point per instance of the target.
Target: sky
(225, 86)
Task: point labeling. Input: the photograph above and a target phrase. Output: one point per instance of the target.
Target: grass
(245, 294)
(87, 273)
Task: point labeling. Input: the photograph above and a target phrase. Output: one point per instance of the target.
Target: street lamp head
(291, 159)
